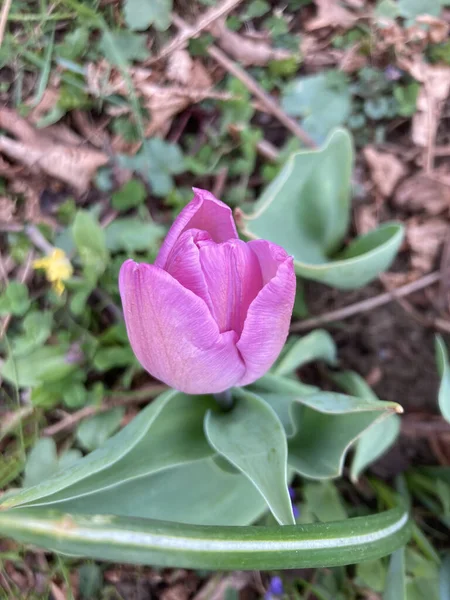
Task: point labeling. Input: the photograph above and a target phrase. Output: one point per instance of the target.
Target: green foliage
(395, 581)
(90, 242)
(323, 101)
(317, 345)
(131, 194)
(14, 299)
(140, 14)
(93, 433)
(314, 189)
(444, 372)
(410, 9)
(123, 46)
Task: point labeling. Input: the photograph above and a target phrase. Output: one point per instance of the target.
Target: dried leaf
(386, 170)
(437, 29)
(422, 192)
(248, 51)
(331, 14)
(7, 209)
(366, 218)
(425, 239)
(43, 150)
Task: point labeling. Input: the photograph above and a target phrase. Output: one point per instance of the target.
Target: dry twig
(4, 18)
(125, 399)
(369, 304)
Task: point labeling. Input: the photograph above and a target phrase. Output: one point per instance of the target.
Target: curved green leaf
(145, 541)
(374, 442)
(444, 577)
(306, 209)
(138, 450)
(444, 372)
(317, 345)
(252, 439)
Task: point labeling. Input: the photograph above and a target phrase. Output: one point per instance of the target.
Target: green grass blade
(145, 541)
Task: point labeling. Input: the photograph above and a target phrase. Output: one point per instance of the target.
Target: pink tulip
(213, 312)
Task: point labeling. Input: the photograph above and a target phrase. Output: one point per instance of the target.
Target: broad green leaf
(146, 541)
(317, 345)
(322, 100)
(14, 299)
(42, 462)
(324, 501)
(444, 578)
(396, 577)
(444, 372)
(44, 365)
(133, 235)
(374, 442)
(90, 242)
(90, 581)
(93, 433)
(371, 574)
(168, 432)
(198, 492)
(252, 438)
(131, 194)
(410, 9)
(306, 209)
(37, 327)
(122, 47)
(140, 14)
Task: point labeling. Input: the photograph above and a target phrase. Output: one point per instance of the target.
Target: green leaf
(406, 97)
(444, 372)
(42, 462)
(140, 14)
(252, 439)
(317, 345)
(371, 574)
(122, 47)
(374, 442)
(386, 9)
(322, 100)
(90, 242)
(145, 541)
(133, 235)
(14, 299)
(93, 433)
(410, 9)
(44, 365)
(113, 356)
(324, 501)
(306, 209)
(156, 161)
(131, 194)
(90, 581)
(168, 432)
(37, 327)
(395, 581)
(444, 577)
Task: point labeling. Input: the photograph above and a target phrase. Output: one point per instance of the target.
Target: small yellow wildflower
(57, 268)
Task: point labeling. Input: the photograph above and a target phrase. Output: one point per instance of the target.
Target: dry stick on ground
(267, 101)
(369, 304)
(125, 399)
(189, 31)
(4, 18)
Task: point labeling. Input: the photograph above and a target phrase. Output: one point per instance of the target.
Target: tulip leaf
(374, 442)
(317, 345)
(168, 432)
(251, 437)
(320, 426)
(444, 577)
(444, 372)
(152, 542)
(306, 209)
(395, 588)
(199, 492)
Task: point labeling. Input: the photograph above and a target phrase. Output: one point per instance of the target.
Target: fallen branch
(369, 304)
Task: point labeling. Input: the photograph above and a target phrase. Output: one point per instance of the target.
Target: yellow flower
(57, 268)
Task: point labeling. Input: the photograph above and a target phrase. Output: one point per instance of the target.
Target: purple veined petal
(173, 334)
(233, 277)
(203, 212)
(269, 315)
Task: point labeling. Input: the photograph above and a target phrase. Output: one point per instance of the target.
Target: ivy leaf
(140, 14)
(119, 47)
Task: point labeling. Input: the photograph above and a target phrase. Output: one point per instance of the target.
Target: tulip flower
(212, 312)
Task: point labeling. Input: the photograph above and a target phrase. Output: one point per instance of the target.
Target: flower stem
(225, 400)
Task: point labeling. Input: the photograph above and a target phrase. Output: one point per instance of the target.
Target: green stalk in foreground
(146, 541)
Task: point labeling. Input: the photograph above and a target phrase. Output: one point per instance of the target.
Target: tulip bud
(213, 312)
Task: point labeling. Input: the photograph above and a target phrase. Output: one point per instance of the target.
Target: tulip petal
(203, 212)
(173, 334)
(268, 318)
(184, 264)
(233, 276)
